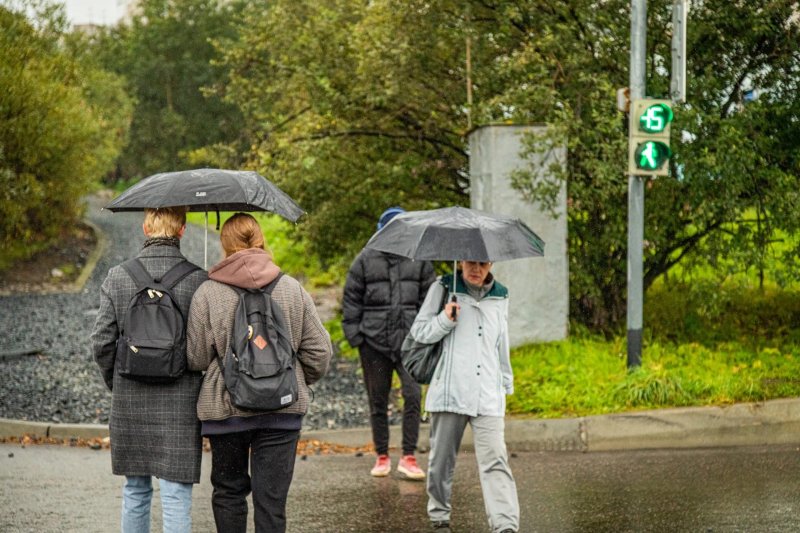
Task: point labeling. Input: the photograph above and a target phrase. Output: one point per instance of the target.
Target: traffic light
(648, 137)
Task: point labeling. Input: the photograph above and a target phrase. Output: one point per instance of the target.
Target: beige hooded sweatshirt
(211, 322)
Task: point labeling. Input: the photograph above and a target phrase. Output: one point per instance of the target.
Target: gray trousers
(497, 483)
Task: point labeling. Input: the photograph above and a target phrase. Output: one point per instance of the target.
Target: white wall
(538, 287)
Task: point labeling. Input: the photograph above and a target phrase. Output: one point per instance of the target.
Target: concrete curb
(772, 422)
(94, 257)
(747, 424)
(18, 428)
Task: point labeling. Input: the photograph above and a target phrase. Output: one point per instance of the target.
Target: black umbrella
(457, 233)
(208, 189)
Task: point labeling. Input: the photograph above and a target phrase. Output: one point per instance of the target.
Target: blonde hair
(241, 232)
(165, 221)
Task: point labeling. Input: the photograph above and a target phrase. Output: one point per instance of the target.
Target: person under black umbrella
(154, 428)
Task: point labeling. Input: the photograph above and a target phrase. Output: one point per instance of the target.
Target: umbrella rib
(172, 185)
(244, 193)
(419, 239)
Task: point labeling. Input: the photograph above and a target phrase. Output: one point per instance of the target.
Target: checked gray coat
(154, 427)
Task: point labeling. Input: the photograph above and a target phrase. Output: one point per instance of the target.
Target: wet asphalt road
(748, 489)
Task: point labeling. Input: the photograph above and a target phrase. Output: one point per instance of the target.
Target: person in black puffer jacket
(382, 296)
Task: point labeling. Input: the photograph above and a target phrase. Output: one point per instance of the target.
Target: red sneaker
(408, 467)
(383, 465)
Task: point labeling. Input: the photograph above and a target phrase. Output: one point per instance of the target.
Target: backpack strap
(444, 298)
(140, 276)
(177, 273)
(269, 287)
(260, 302)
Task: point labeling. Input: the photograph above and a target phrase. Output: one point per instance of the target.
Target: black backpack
(259, 366)
(152, 347)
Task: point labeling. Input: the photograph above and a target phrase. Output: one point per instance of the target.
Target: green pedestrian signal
(648, 137)
(651, 155)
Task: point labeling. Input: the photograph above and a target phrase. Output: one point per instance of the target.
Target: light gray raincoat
(474, 373)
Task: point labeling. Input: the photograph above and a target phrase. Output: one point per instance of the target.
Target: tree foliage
(734, 174)
(353, 106)
(62, 124)
(167, 56)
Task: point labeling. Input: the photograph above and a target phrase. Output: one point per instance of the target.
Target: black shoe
(443, 526)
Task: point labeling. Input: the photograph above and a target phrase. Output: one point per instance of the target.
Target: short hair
(241, 232)
(164, 221)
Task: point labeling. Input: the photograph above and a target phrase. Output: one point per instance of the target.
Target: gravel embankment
(62, 384)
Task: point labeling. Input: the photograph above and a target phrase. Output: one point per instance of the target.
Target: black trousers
(271, 454)
(378, 370)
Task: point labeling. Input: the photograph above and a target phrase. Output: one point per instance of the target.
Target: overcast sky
(106, 12)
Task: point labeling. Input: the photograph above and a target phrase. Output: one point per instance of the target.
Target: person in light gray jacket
(469, 386)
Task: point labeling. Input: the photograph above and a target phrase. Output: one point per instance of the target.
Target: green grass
(334, 327)
(585, 375)
(705, 344)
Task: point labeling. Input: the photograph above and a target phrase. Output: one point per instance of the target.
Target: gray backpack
(152, 346)
(259, 366)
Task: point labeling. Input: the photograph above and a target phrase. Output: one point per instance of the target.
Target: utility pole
(468, 66)
(636, 192)
(677, 88)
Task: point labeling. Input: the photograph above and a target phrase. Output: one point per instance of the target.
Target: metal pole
(469, 70)
(636, 191)
(680, 10)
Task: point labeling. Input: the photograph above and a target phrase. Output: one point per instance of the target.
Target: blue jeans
(176, 505)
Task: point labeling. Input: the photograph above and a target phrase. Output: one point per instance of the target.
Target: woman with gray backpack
(257, 335)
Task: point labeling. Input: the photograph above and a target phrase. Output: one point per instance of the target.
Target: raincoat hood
(249, 269)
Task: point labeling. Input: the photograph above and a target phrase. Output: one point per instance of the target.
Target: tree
(732, 159)
(354, 106)
(167, 56)
(62, 123)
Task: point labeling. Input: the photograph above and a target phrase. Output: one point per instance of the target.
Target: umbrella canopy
(208, 189)
(457, 233)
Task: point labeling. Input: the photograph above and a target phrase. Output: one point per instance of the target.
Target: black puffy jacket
(382, 295)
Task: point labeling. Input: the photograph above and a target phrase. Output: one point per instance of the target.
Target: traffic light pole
(636, 192)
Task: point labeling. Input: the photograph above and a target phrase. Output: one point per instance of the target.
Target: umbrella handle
(453, 309)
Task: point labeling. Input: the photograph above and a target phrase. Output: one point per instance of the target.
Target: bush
(710, 314)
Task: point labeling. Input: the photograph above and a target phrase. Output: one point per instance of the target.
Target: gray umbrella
(208, 189)
(457, 233)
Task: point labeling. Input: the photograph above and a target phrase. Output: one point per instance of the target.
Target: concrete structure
(539, 287)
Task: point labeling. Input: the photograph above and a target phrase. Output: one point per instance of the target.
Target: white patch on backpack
(286, 399)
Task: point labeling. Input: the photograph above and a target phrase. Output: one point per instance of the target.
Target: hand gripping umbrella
(457, 234)
(208, 189)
